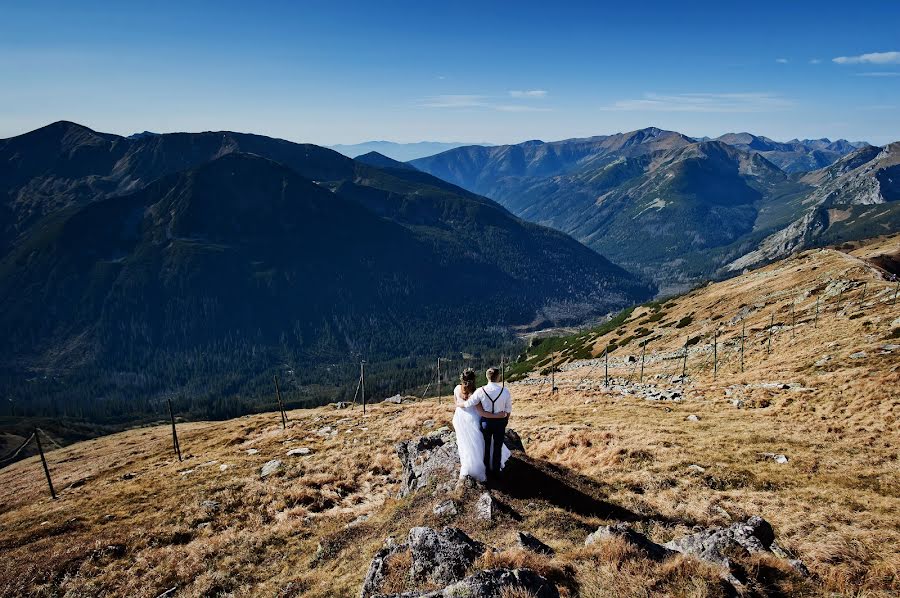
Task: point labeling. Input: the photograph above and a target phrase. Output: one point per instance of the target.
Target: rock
(397, 399)
(693, 418)
(697, 468)
(424, 458)
(326, 431)
(210, 505)
(378, 569)
(484, 507)
(778, 458)
(428, 423)
(446, 508)
(653, 550)
(858, 355)
(358, 520)
(491, 583)
(128, 476)
(889, 348)
(739, 404)
(714, 544)
(821, 362)
(270, 467)
(529, 542)
(298, 451)
(252, 451)
(341, 405)
(223, 467)
(430, 457)
(441, 557)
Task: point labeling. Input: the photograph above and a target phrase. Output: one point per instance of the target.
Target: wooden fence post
(816, 321)
(743, 332)
(280, 404)
(684, 363)
(362, 380)
(174, 433)
(715, 354)
(793, 320)
(643, 352)
(37, 437)
(606, 366)
(771, 325)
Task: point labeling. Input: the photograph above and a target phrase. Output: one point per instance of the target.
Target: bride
(467, 423)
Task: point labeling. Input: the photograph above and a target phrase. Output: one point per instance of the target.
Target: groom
(496, 405)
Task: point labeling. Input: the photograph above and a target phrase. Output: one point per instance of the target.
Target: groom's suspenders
(493, 401)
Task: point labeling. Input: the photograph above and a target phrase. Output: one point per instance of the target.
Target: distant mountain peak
(379, 160)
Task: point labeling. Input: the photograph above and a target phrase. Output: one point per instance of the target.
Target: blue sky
(326, 72)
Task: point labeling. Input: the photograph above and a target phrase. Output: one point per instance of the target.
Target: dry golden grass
(834, 504)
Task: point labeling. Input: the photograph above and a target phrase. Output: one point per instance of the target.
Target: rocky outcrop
(426, 458)
(636, 539)
(715, 544)
(433, 456)
(441, 557)
(490, 583)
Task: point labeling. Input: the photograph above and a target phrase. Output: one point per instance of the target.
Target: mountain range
(398, 151)
(678, 210)
(200, 263)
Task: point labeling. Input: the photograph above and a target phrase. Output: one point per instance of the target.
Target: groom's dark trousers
(493, 431)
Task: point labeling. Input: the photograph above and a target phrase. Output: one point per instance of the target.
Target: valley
(803, 435)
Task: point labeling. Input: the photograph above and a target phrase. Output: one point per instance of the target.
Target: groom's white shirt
(503, 402)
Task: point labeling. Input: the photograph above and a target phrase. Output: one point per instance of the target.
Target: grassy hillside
(133, 520)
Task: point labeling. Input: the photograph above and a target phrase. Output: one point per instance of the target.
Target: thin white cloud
(455, 101)
(702, 102)
(879, 74)
(815, 61)
(519, 108)
(537, 94)
(781, 60)
(871, 58)
(479, 101)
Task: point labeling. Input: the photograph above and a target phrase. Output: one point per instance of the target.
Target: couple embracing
(480, 423)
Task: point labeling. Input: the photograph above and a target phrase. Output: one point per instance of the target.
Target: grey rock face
(425, 458)
(491, 582)
(378, 569)
(484, 508)
(441, 557)
(445, 508)
(435, 455)
(270, 467)
(638, 540)
(529, 542)
(754, 536)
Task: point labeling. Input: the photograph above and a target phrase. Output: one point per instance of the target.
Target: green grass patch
(685, 321)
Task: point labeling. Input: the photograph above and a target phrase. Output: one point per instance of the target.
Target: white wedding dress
(470, 442)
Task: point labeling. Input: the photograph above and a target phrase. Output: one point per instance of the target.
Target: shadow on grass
(526, 479)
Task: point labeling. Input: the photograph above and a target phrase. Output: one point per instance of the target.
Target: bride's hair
(467, 381)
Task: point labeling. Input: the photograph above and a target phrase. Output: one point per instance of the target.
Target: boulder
(529, 542)
(484, 507)
(378, 569)
(492, 582)
(342, 405)
(435, 455)
(426, 458)
(270, 467)
(653, 550)
(714, 544)
(302, 451)
(445, 508)
(396, 399)
(441, 557)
